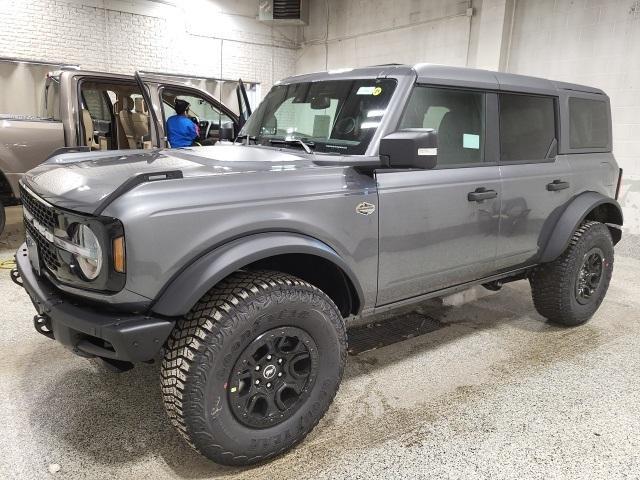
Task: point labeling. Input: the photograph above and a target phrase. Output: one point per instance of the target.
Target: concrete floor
(494, 393)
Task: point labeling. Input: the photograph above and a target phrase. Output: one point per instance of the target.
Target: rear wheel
(570, 289)
(253, 367)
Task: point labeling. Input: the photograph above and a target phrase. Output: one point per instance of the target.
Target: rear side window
(458, 118)
(527, 127)
(588, 123)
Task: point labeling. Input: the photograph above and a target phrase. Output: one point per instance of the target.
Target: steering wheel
(205, 128)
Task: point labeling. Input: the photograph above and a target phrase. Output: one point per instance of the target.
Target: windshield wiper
(307, 146)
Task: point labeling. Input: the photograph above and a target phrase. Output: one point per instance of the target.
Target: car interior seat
(87, 126)
(126, 135)
(455, 124)
(140, 120)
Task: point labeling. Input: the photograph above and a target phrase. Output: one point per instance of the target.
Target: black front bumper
(89, 330)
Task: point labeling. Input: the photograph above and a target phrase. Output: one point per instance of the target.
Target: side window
(51, 108)
(527, 127)
(113, 116)
(588, 123)
(458, 118)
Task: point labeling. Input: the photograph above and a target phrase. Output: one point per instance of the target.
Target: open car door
(151, 108)
(215, 120)
(243, 103)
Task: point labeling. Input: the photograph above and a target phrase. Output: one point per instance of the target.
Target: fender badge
(365, 208)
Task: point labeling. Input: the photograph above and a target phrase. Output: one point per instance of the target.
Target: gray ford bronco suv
(347, 193)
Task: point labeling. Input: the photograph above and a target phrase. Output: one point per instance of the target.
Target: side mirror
(410, 148)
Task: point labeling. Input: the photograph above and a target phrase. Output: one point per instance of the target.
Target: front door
(440, 227)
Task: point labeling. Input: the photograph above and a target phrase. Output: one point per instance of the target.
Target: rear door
(439, 227)
(536, 182)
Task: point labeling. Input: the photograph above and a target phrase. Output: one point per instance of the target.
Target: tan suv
(89, 111)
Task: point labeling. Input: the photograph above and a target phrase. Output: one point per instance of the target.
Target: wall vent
(284, 12)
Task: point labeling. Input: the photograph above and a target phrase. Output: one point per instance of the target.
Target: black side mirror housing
(410, 148)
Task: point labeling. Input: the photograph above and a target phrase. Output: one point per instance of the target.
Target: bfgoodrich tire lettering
(205, 346)
(555, 285)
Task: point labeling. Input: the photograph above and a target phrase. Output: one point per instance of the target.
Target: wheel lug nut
(268, 385)
(280, 361)
(258, 381)
(279, 374)
(268, 357)
(257, 367)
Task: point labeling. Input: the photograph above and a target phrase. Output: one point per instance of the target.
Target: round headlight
(89, 257)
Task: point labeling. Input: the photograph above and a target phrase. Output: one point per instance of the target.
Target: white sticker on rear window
(471, 141)
(365, 91)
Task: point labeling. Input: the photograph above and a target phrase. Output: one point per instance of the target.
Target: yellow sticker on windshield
(377, 91)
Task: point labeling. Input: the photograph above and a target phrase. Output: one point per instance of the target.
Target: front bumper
(89, 330)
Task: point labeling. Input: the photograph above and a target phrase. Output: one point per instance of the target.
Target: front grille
(46, 250)
(45, 216)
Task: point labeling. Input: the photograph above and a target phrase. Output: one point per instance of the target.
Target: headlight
(88, 255)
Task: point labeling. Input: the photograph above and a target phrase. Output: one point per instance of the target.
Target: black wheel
(253, 367)
(570, 289)
(3, 217)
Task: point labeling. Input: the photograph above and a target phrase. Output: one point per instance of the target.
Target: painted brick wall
(196, 37)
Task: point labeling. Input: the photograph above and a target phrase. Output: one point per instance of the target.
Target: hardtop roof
(452, 76)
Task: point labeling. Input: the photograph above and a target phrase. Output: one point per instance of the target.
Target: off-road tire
(553, 285)
(204, 346)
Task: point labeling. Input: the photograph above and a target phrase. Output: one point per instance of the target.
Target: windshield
(330, 116)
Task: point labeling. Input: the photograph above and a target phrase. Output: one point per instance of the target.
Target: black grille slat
(47, 217)
(46, 250)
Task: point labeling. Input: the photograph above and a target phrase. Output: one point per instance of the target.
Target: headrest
(141, 107)
(127, 103)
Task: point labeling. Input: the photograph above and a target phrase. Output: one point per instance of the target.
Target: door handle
(481, 194)
(557, 185)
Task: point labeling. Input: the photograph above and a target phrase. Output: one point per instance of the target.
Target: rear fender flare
(572, 217)
(186, 288)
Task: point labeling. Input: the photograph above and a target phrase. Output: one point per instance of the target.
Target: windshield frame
(388, 122)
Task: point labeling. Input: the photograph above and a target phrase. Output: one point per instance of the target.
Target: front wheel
(570, 289)
(253, 367)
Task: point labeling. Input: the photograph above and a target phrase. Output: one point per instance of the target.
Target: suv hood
(82, 181)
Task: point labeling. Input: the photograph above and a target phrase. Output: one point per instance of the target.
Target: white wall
(361, 33)
(211, 38)
(593, 42)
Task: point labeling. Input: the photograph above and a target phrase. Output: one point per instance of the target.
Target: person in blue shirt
(181, 131)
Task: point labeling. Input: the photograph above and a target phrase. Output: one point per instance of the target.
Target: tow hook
(15, 277)
(42, 323)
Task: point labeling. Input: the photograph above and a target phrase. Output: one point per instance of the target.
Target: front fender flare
(186, 288)
(571, 218)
